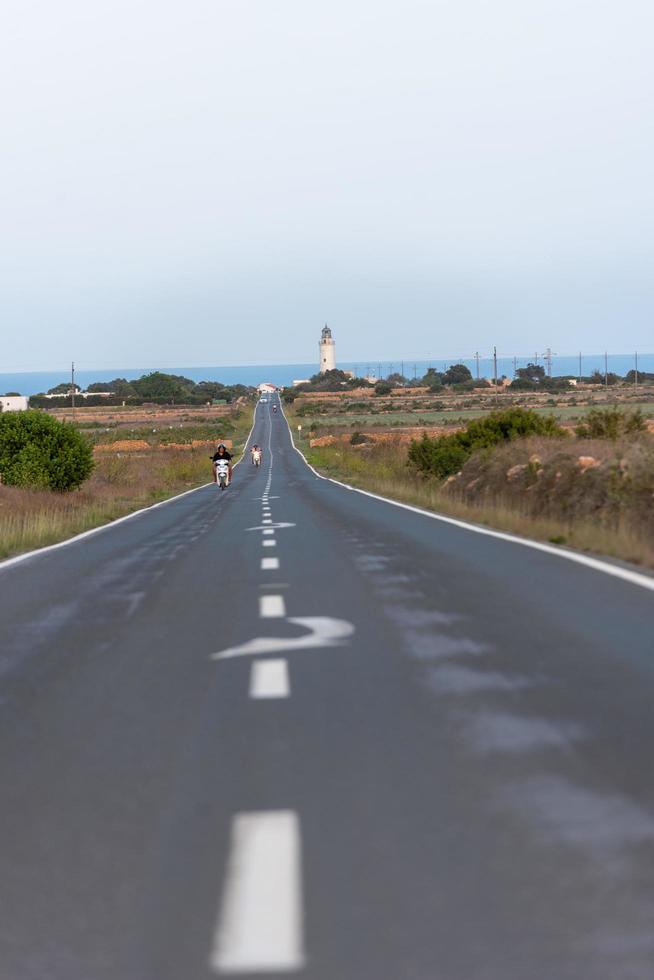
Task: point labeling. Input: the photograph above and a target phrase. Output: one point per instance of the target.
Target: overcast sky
(208, 182)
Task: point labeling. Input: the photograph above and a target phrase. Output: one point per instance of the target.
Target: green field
(416, 418)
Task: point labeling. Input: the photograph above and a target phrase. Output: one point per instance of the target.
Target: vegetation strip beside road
(121, 483)
(592, 493)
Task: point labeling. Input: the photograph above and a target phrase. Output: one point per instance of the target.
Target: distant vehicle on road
(263, 400)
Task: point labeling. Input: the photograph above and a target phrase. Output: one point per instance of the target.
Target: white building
(327, 350)
(14, 403)
(266, 388)
(83, 394)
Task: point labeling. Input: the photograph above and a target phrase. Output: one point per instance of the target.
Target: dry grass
(625, 532)
(120, 484)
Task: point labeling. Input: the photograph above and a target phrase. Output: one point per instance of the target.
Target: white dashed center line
(269, 543)
(260, 928)
(269, 679)
(269, 564)
(272, 606)
(266, 520)
(268, 531)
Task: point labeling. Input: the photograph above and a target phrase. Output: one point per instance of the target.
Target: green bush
(610, 423)
(441, 457)
(40, 452)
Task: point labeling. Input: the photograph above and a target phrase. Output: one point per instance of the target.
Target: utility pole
(515, 367)
(379, 372)
(579, 378)
(636, 373)
(72, 386)
(495, 369)
(606, 370)
(477, 362)
(402, 368)
(415, 371)
(547, 357)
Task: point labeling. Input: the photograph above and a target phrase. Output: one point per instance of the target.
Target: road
(291, 730)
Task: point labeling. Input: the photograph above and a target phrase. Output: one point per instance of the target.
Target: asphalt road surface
(291, 730)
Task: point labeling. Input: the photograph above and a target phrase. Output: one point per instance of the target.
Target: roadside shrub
(610, 483)
(441, 457)
(610, 423)
(40, 452)
(359, 439)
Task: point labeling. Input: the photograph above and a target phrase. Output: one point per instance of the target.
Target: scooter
(222, 473)
(256, 457)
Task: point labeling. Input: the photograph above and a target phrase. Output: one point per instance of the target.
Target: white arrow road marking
(259, 527)
(323, 632)
(260, 928)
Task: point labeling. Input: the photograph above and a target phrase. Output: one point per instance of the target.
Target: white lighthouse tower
(327, 350)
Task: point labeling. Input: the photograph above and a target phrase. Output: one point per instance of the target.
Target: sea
(36, 382)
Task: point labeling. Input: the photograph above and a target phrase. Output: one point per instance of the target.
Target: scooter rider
(222, 453)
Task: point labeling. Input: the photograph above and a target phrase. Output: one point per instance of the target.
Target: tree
(533, 372)
(446, 455)
(396, 379)
(40, 452)
(598, 378)
(158, 386)
(383, 388)
(433, 379)
(120, 386)
(63, 389)
(456, 374)
(643, 376)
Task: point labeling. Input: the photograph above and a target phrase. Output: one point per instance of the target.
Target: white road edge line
(634, 578)
(272, 607)
(260, 923)
(8, 562)
(269, 679)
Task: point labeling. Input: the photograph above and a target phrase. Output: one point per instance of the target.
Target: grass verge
(119, 485)
(382, 469)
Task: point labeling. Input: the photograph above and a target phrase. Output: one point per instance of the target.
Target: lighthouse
(327, 350)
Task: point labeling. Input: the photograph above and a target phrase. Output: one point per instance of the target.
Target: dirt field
(174, 415)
